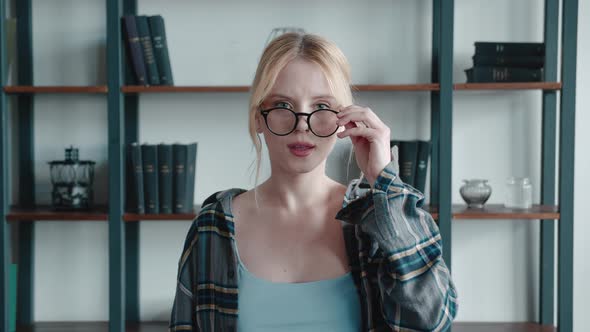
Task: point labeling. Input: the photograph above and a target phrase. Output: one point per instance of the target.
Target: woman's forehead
(301, 79)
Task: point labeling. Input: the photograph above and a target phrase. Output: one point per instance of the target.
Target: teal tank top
(324, 305)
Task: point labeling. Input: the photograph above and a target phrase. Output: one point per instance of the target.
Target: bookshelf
(56, 89)
(123, 101)
(40, 213)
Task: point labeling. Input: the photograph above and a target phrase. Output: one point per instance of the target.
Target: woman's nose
(302, 122)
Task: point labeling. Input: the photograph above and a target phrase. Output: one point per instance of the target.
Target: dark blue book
(165, 178)
(160, 45)
(191, 170)
(509, 48)
(145, 38)
(134, 49)
(527, 61)
(179, 156)
(503, 74)
(149, 154)
(135, 192)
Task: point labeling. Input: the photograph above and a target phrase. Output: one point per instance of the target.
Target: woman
(304, 252)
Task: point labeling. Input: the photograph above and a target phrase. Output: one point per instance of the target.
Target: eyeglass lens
(283, 121)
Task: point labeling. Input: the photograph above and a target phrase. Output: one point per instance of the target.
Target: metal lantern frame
(72, 181)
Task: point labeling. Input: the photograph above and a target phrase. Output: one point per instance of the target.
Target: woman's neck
(293, 192)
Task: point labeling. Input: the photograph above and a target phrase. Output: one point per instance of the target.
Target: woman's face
(301, 87)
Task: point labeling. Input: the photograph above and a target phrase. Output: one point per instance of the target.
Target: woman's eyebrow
(324, 97)
(278, 96)
(281, 96)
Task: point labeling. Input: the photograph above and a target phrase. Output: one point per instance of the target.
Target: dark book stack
(147, 50)
(507, 62)
(161, 178)
(413, 162)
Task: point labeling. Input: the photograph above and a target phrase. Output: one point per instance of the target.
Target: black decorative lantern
(72, 182)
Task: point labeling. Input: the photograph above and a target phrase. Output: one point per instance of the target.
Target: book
(422, 165)
(160, 45)
(149, 155)
(191, 170)
(135, 192)
(165, 178)
(145, 38)
(179, 156)
(527, 61)
(134, 49)
(509, 48)
(129, 71)
(503, 74)
(408, 151)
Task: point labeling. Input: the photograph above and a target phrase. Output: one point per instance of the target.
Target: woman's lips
(301, 149)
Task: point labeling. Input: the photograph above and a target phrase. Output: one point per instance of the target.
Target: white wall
(496, 134)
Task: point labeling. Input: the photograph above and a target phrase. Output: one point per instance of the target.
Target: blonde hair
(280, 52)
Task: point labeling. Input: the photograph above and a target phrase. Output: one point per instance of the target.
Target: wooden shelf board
(162, 326)
(130, 217)
(44, 213)
(360, 87)
(182, 89)
(23, 89)
(243, 88)
(103, 89)
(509, 86)
(91, 327)
(501, 327)
(397, 87)
(498, 211)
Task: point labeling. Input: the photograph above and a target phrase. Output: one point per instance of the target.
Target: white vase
(475, 192)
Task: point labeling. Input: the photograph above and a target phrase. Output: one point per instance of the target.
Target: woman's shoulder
(220, 196)
(212, 218)
(218, 204)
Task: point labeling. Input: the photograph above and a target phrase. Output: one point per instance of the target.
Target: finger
(369, 133)
(363, 111)
(365, 116)
(349, 108)
(353, 124)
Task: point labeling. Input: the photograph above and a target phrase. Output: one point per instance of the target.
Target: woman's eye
(283, 104)
(323, 106)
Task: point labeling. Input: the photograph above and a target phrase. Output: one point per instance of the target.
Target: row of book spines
(507, 62)
(413, 161)
(147, 49)
(163, 178)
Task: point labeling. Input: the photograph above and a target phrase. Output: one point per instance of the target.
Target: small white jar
(519, 193)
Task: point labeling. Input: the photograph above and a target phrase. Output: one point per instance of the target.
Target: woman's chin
(297, 165)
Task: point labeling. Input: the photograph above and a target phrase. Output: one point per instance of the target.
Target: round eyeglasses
(283, 121)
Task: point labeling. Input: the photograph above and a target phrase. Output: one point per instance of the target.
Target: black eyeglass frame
(297, 115)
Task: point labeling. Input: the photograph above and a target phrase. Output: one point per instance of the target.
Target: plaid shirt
(393, 246)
